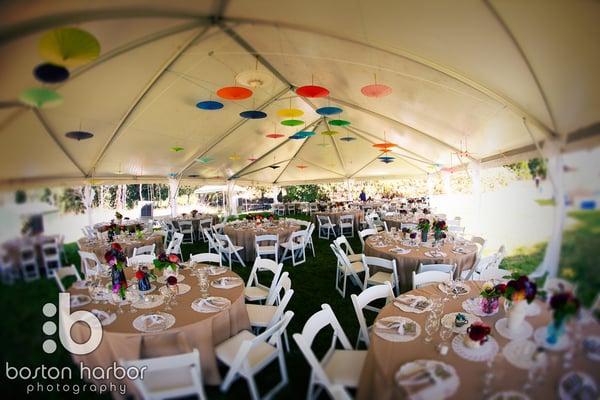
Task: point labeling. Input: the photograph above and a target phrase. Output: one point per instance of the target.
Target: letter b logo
(66, 319)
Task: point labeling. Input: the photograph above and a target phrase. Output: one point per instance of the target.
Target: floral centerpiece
(117, 260)
(405, 232)
(439, 228)
(519, 292)
(143, 278)
(564, 305)
(490, 296)
(424, 226)
(167, 264)
(194, 212)
(118, 217)
(477, 334)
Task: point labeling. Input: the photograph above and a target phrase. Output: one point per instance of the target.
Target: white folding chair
(207, 258)
(310, 228)
(495, 274)
(342, 243)
(28, 263)
(337, 367)
(228, 249)
(480, 242)
(326, 227)
(347, 224)
(186, 228)
(170, 376)
(51, 258)
(362, 302)
(265, 316)
(362, 235)
(247, 354)
(218, 228)
(90, 263)
(63, 272)
(170, 231)
(174, 246)
(447, 268)
(144, 259)
(456, 229)
(267, 245)
(7, 270)
(430, 277)
(256, 291)
(500, 256)
(205, 224)
(381, 277)
(313, 208)
(295, 246)
(481, 265)
(149, 249)
(385, 227)
(345, 269)
(212, 243)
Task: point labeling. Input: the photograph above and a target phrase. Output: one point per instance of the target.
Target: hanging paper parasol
(297, 136)
(252, 159)
(290, 113)
(292, 122)
(79, 135)
(274, 135)
(209, 105)
(329, 111)
(386, 159)
(177, 149)
(253, 114)
(274, 166)
(204, 160)
(329, 133)
(384, 145)
(40, 98)
(69, 47)
(50, 73)
(234, 157)
(339, 122)
(312, 91)
(301, 166)
(234, 93)
(376, 90)
(348, 138)
(306, 133)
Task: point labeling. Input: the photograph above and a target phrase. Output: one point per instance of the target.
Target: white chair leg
(253, 389)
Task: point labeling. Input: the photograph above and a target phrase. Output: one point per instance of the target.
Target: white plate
(444, 386)
(448, 290)
(509, 395)
(439, 254)
(163, 279)
(485, 352)
(216, 270)
(520, 353)
(591, 347)
(539, 337)
(152, 288)
(104, 317)
(473, 306)
(182, 289)
(400, 250)
(227, 282)
(150, 301)
(80, 300)
(533, 309)
(392, 335)
(155, 322)
(579, 380)
(448, 322)
(80, 284)
(413, 299)
(525, 329)
(210, 304)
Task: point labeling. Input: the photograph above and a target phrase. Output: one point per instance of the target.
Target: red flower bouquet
(172, 280)
(478, 332)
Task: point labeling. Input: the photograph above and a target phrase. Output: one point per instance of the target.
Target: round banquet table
(192, 329)
(384, 358)
(100, 247)
(130, 225)
(398, 220)
(244, 234)
(407, 263)
(334, 216)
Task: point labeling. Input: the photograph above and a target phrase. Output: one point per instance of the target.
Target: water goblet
(174, 289)
(445, 333)
(167, 295)
(431, 326)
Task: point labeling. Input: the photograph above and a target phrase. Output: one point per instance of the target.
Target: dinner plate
(81, 284)
(460, 288)
(591, 347)
(210, 304)
(540, 335)
(577, 385)
(227, 282)
(484, 352)
(520, 353)
(433, 254)
(523, 332)
(149, 301)
(409, 302)
(427, 379)
(216, 270)
(80, 300)
(473, 306)
(104, 317)
(182, 289)
(155, 322)
(163, 279)
(388, 328)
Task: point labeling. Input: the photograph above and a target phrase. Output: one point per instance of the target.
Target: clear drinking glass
(431, 326)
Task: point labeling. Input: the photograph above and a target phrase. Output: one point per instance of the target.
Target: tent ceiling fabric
(464, 76)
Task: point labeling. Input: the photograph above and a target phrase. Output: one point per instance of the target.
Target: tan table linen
(101, 247)
(385, 358)
(245, 236)
(202, 331)
(334, 216)
(407, 263)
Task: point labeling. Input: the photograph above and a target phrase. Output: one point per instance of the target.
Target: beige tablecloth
(202, 331)
(245, 236)
(407, 263)
(101, 247)
(334, 216)
(384, 358)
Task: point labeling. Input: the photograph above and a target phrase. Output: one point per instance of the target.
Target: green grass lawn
(313, 283)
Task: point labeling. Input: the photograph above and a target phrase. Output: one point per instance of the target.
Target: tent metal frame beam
(270, 151)
(363, 167)
(339, 156)
(235, 127)
(57, 141)
(145, 91)
(81, 16)
(259, 169)
(323, 168)
(293, 157)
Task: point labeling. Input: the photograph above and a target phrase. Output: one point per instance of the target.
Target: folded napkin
(154, 321)
(425, 383)
(398, 327)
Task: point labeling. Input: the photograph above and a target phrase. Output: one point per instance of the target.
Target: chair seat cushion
(267, 249)
(344, 367)
(260, 315)
(227, 350)
(254, 293)
(381, 277)
(355, 257)
(357, 266)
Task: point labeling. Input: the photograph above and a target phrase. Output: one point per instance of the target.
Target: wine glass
(431, 326)
(445, 333)
(167, 295)
(174, 289)
(134, 297)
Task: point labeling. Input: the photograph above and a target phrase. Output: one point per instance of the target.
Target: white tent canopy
(472, 81)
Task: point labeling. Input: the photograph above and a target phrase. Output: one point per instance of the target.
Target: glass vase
(554, 331)
(489, 306)
(423, 236)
